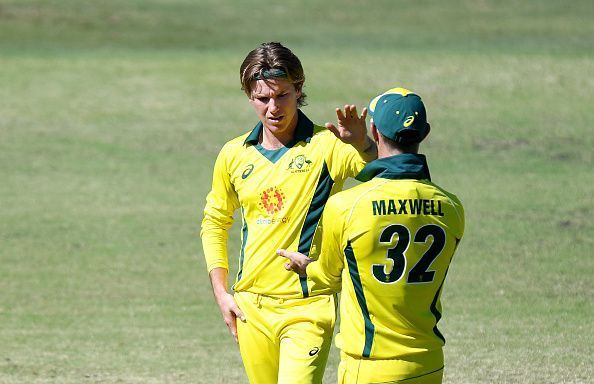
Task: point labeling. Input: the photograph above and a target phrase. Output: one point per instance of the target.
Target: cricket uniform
(388, 243)
(281, 195)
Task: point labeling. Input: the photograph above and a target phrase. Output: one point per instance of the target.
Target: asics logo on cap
(408, 122)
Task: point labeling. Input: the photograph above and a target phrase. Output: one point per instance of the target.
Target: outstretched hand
(297, 263)
(351, 128)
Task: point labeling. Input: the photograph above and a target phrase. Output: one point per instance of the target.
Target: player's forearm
(214, 243)
(218, 281)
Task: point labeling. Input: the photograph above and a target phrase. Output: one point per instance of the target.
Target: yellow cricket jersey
(281, 195)
(388, 243)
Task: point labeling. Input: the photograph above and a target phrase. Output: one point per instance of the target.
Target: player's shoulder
(449, 195)
(234, 146)
(452, 204)
(348, 199)
(238, 141)
(321, 133)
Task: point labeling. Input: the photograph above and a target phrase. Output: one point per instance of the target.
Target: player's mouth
(275, 119)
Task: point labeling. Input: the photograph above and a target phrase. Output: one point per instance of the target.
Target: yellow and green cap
(400, 115)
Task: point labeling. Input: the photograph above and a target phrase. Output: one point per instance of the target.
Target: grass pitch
(111, 114)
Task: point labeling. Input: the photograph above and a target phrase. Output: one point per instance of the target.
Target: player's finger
(332, 128)
(353, 111)
(288, 267)
(364, 113)
(233, 330)
(230, 320)
(340, 114)
(282, 253)
(238, 314)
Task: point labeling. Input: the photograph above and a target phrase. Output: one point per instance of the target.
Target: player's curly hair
(271, 60)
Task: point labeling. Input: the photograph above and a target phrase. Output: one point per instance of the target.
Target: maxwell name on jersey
(407, 207)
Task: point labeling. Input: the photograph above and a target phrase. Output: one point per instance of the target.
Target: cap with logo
(400, 115)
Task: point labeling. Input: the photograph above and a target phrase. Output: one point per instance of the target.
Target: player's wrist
(221, 295)
(368, 143)
(365, 145)
(369, 152)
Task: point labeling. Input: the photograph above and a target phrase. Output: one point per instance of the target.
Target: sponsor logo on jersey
(272, 220)
(299, 164)
(272, 200)
(247, 171)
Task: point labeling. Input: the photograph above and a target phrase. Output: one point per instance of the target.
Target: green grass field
(111, 115)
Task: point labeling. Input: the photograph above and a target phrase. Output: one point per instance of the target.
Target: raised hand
(351, 128)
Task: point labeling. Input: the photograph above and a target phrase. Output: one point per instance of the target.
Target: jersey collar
(303, 131)
(403, 166)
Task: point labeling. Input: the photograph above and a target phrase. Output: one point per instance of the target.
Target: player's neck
(272, 140)
(384, 151)
(387, 149)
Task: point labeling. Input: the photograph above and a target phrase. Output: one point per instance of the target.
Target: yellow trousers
(354, 370)
(285, 341)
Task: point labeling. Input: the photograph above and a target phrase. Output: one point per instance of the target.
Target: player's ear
(374, 132)
(298, 88)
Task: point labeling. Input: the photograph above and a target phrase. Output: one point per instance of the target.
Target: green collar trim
(403, 166)
(271, 154)
(303, 131)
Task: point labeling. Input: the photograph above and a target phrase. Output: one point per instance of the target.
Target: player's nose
(273, 105)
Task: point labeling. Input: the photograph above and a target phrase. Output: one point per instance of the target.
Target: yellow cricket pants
(355, 370)
(285, 341)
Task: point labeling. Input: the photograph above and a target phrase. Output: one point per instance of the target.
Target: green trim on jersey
(244, 235)
(273, 155)
(433, 306)
(403, 166)
(356, 279)
(312, 219)
(434, 309)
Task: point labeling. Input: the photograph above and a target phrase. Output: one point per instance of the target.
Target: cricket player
(387, 244)
(279, 176)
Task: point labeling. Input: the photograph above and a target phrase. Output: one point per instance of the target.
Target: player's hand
(351, 128)
(297, 263)
(231, 312)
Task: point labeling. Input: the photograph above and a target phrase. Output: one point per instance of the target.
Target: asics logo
(408, 122)
(248, 171)
(314, 351)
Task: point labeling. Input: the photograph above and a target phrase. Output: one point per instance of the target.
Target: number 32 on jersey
(420, 272)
